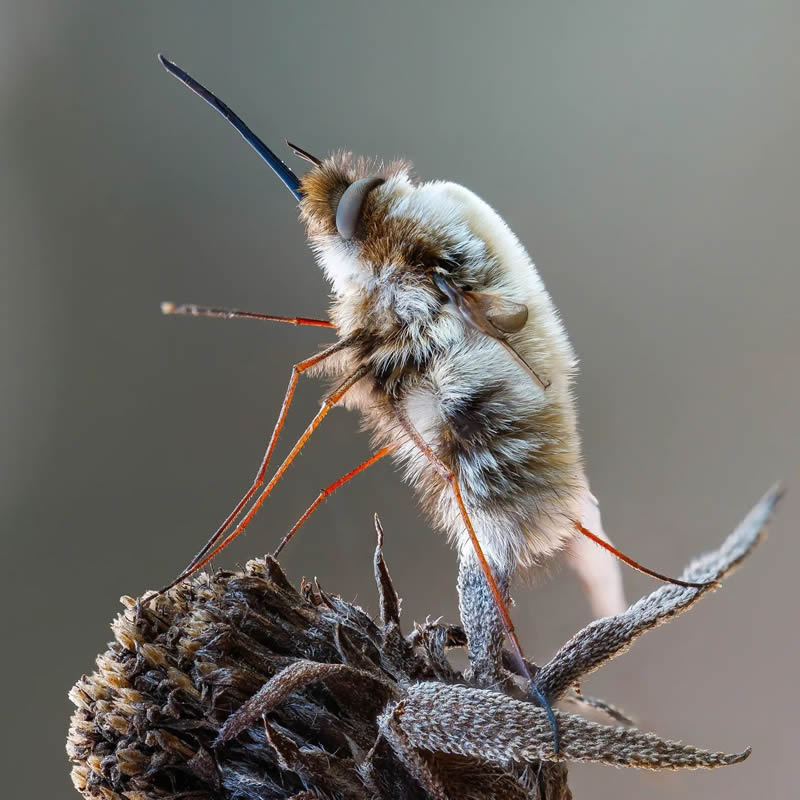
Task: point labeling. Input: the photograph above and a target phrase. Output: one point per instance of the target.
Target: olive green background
(648, 154)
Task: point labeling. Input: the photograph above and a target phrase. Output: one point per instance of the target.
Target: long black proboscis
(281, 170)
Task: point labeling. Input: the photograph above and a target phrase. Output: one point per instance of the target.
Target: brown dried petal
(277, 690)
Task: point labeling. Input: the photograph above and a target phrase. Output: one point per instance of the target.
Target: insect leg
(599, 573)
(297, 370)
(384, 451)
(188, 309)
(635, 564)
(449, 476)
(330, 401)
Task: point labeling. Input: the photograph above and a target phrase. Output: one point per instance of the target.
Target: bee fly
(454, 354)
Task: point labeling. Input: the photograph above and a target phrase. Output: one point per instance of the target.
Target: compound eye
(350, 204)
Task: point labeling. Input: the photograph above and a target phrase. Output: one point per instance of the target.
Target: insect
(454, 354)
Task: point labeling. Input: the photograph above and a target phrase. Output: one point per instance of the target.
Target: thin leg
(449, 476)
(384, 451)
(599, 573)
(191, 310)
(329, 403)
(297, 370)
(635, 564)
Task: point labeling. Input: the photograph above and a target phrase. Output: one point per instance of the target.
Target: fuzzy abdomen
(512, 446)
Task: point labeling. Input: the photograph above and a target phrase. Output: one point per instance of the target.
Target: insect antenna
(636, 565)
(304, 154)
(191, 310)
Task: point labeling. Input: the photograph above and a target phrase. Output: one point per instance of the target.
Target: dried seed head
(307, 674)
(239, 686)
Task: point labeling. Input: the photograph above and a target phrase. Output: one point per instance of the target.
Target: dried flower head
(239, 686)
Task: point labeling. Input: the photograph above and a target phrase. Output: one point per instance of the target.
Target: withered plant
(238, 686)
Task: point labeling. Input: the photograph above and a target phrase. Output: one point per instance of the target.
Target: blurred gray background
(648, 154)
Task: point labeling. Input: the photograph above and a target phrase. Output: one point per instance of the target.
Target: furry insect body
(513, 445)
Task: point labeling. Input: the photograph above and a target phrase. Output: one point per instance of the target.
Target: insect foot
(238, 685)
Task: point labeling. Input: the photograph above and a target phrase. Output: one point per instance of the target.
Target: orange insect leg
(384, 451)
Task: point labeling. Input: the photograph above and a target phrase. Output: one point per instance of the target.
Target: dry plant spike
(331, 777)
(277, 690)
(492, 727)
(607, 638)
(236, 686)
(611, 711)
(413, 760)
(389, 601)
